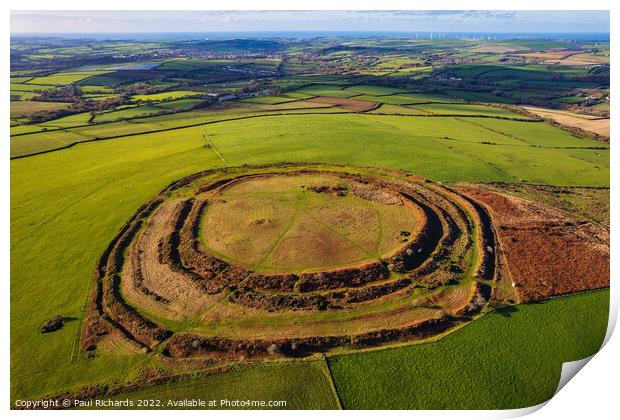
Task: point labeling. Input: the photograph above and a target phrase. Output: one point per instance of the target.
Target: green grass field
(408, 98)
(396, 110)
(473, 368)
(40, 140)
(297, 95)
(28, 87)
(76, 179)
(427, 146)
(537, 134)
(374, 90)
(99, 96)
(64, 78)
(467, 110)
(478, 96)
(504, 360)
(327, 90)
(83, 195)
(180, 105)
(22, 96)
(441, 148)
(302, 385)
(175, 94)
(269, 100)
(69, 121)
(132, 112)
(91, 182)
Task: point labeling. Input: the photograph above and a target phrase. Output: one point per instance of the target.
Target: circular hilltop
(302, 222)
(291, 259)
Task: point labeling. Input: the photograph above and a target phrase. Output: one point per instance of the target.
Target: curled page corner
(519, 412)
(569, 370)
(613, 314)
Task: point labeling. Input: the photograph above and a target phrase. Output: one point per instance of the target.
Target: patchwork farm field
(222, 229)
(175, 94)
(104, 187)
(63, 78)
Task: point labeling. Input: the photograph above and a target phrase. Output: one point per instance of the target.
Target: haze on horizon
(486, 21)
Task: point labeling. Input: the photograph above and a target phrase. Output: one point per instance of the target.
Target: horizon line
(322, 31)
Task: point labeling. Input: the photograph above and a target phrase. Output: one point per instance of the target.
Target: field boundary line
(245, 117)
(136, 119)
(212, 146)
(274, 114)
(330, 378)
(75, 348)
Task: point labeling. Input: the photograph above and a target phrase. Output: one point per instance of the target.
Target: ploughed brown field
(589, 123)
(548, 252)
(236, 262)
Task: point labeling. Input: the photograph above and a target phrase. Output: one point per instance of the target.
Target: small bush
(51, 325)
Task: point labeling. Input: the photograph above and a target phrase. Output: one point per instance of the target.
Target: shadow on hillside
(506, 311)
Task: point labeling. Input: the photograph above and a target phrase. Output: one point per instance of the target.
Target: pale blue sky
(271, 21)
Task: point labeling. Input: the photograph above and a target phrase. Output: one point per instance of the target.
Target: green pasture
(129, 112)
(22, 96)
(467, 110)
(374, 90)
(475, 96)
(270, 100)
(441, 148)
(507, 359)
(64, 78)
(96, 89)
(28, 108)
(27, 87)
(396, 110)
(510, 358)
(409, 98)
(297, 95)
(302, 385)
(180, 105)
(24, 129)
(103, 80)
(526, 71)
(109, 124)
(68, 204)
(327, 90)
(99, 96)
(538, 134)
(84, 194)
(174, 94)
(69, 121)
(570, 99)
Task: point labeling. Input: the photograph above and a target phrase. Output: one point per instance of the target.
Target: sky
(315, 21)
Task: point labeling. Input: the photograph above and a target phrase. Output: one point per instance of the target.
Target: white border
(592, 395)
